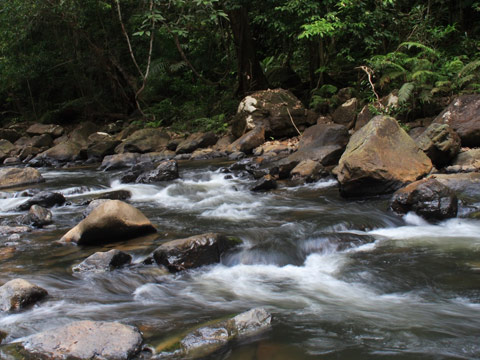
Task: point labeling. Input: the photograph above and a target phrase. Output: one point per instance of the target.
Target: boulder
(11, 135)
(6, 147)
(440, 143)
(93, 205)
(37, 216)
(12, 177)
(104, 261)
(463, 116)
(428, 198)
(39, 141)
(80, 134)
(18, 294)
(63, 152)
(307, 170)
(465, 185)
(144, 141)
(44, 198)
(380, 158)
(192, 252)
(273, 110)
(466, 161)
(266, 183)
(126, 132)
(165, 171)
(205, 340)
(112, 221)
(324, 143)
(85, 340)
(223, 143)
(206, 154)
(119, 161)
(195, 141)
(249, 141)
(50, 129)
(346, 113)
(101, 144)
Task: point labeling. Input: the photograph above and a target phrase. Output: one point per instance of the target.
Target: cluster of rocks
(114, 220)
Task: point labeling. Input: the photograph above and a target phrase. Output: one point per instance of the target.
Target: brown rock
(249, 141)
(86, 340)
(440, 143)
(18, 293)
(144, 141)
(463, 116)
(346, 113)
(111, 221)
(50, 129)
(380, 158)
(6, 147)
(195, 141)
(12, 177)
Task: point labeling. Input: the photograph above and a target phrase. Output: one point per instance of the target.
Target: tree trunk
(250, 74)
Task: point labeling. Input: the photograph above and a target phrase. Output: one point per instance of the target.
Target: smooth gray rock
(18, 294)
(104, 261)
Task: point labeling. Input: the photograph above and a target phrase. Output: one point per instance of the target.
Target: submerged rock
(8, 230)
(380, 158)
(165, 171)
(428, 198)
(208, 339)
(45, 199)
(192, 252)
(112, 221)
(18, 294)
(104, 261)
(11, 177)
(266, 183)
(84, 340)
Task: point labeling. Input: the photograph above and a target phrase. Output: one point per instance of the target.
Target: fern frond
(466, 79)
(158, 67)
(425, 96)
(469, 68)
(424, 48)
(177, 66)
(405, 92)
(422, 74)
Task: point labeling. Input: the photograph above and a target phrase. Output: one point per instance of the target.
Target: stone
(7, 230)
(465, 185)
(463, 116)
(101, 144)
(428, 198)
(346, 113)
(440, 143)
(112, 221)
(3, 336)
(249, 141)
(50, 129)
(144, 141)
(195, 141)
(266, 183)
(38, 141)
(80, 134)
(16, 177)
(273, 110)
(6, 147)
(18, 294)
(12, 161)
(206, 154)
(92, 205)
(207, 339)
(63, 152)
(165, 171)
(119, 161)
(223, 143)
(192, 252)
(308, 170)
(86, 340)
(37, 216)
(11, 135)
(44, 198)
(380, 158)
(104, 261)
(468, 160)
(324, 143)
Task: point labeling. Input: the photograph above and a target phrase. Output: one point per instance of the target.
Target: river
(343, 279)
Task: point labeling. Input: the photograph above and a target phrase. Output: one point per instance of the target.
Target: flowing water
(343, 279)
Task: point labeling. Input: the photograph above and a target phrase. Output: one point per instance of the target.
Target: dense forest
(186, 64)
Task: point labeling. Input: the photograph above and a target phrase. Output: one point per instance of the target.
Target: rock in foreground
(428, 198)
(379, 159)
(18, 293)
(86, 340)
(111, 221)
(104, 261)
(206, 340)
(11, 177)
(194, 251)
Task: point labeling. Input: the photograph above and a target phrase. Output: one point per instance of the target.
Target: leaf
(405, 92)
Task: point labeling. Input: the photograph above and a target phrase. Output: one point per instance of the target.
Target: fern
(405, 92)
(469, 68)
(424, 48)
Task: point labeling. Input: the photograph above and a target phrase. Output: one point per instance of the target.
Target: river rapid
(343, 279)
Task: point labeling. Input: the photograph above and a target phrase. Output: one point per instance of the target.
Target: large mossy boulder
(194, 251)
(440, 143)
(428, 198)
(324, 143)
(144, 141)
(12, 177)
(85, 340)
(463, 116)
(380, 158)
(275, 110)
(18, 294)
(111, 221)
